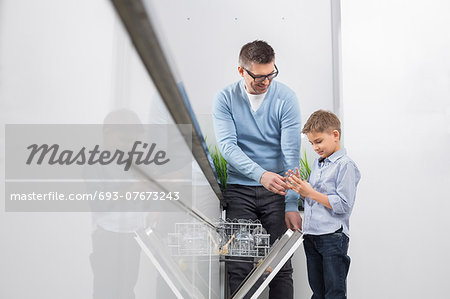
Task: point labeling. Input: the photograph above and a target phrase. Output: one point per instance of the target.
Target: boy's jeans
(328, 264)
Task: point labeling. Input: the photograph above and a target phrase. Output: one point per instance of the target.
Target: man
(257, 127)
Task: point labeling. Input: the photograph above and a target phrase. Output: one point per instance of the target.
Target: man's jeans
(256, 202)
(328, 264)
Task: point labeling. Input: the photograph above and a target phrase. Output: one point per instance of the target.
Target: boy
(328, 196)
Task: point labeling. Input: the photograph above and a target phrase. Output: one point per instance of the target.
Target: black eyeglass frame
(269, 77)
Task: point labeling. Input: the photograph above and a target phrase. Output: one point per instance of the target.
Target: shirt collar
(335, 156)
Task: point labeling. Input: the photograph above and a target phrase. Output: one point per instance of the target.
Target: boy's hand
(274, 182)
(305, 189)
(297, 184)
(293, 220)
(291, 172)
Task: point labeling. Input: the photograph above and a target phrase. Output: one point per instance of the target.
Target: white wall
(396, 99)
(205, 38)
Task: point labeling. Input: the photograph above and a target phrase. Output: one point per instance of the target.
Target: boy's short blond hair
(322, 121)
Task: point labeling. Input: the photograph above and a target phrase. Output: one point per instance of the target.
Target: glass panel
(80, 86)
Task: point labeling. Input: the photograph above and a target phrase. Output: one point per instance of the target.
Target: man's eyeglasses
(259, 79)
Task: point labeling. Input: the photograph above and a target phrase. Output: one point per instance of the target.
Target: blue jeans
(256, 202)
(328, 264)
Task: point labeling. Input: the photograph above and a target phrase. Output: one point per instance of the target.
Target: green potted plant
(220, 165)
(305, 170)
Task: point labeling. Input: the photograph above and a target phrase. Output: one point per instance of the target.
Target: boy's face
(325, 143)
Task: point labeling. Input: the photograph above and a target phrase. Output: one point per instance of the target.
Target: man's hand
(274, 182)
(293, 220)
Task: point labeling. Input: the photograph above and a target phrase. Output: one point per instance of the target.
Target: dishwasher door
(262, 274)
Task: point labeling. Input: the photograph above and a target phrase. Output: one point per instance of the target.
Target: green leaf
(220, 164)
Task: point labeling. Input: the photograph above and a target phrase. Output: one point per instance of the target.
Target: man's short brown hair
(257, 51)
(322, 121)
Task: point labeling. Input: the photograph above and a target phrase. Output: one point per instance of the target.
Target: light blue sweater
(255, 142)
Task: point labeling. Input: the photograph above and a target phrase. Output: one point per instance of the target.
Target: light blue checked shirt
(336, 176)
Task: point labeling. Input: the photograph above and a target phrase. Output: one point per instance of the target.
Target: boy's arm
(343, 198)
(305, 189)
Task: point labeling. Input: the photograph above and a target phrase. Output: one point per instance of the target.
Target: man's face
(256, 70)
(325, 143)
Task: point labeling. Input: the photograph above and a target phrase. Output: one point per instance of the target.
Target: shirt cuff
(336, 204)
(291, 207)
(291, 202)
(257, 174)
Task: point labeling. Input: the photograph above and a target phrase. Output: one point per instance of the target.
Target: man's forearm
(241, 162)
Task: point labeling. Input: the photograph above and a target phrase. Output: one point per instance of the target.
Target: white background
(66, 62)
(396, 92)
